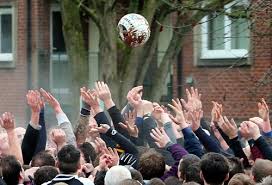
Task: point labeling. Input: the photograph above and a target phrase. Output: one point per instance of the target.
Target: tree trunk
(74, 42)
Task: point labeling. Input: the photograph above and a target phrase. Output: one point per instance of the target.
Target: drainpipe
(29, 48)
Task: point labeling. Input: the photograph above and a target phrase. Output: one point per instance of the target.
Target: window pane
(57, 35)
(6, 36)
(239, 34)
(216, 32)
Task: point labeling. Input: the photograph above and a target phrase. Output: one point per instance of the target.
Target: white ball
(134, 30)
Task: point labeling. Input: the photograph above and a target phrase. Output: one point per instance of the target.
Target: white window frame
(53, 56)
(8, 57)
(226, 53)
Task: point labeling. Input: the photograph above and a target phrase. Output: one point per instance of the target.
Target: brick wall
(13, 82)
(238, 88)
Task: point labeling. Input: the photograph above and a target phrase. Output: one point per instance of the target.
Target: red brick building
(32, 55)
(236, 81)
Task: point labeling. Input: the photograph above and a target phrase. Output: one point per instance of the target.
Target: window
(60, 67)
(6, 34)
(224, 37)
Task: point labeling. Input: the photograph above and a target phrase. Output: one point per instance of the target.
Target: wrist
(10, 131)
(256, 136)
(108, 103)
(58, 110)
(233, 136)
(97, 110)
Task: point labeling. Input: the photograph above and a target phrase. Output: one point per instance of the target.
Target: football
(133, 30)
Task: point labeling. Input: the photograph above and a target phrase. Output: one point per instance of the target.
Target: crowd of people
(145, 143)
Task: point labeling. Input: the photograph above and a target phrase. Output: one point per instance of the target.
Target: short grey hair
(116, 174)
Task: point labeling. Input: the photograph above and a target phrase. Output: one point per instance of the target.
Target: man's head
(214, 168)
(235, 165)
(68, 159)
(262, 168)
(172, 181)
(88, 152)
(151, 165)
(185, 162)
(116, 174)
(192, 173)
(43, 158)
(241, 179)
(11, 170)
(45, 174)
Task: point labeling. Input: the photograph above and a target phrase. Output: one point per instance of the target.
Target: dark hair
(43, 158)
(151, 165)
(68, 159)
(45, 174)
(88, 151)
(241, 179)
(156, 181)
(262, 168)
(172, 181)
(235, 166)
(136, 175)
(192, 173)
(214, 168)
(185, 162)
(129, 182)
(11, 169)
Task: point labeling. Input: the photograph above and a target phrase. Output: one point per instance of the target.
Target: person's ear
(201, 176)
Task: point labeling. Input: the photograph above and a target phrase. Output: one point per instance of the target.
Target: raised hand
(91, 98)
(134, 96)
(103, 92)
(229, 128)
(263, 110)
(196, 116)
(113, 155)
(179, 118)
(51, 100)
(193, 100)
(129, 125)
(103, 128)
(216, 112)
(252, 129)
(160, 137)
(59, 137)
(7, 121)
(243, 129)
(34, 100)
(100, 144)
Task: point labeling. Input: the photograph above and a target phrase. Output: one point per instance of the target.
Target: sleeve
(29, 143)
(117, 117)
(264, 148)
(101, 118)
(191, 143)
(43, 137)
(177, 152)
(236, 147)
(66, 126)
(124, 143)
(209, 143)
(148, 124)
